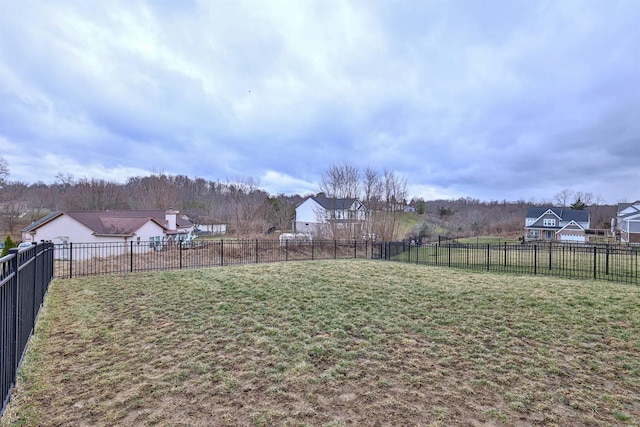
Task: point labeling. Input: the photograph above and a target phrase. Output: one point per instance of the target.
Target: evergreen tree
(8, 244)
(579, 205)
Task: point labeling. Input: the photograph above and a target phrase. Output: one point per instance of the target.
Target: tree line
(249, 211)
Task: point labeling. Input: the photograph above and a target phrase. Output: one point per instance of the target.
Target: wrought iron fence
(25, 275)
(85, 259)
(603, 262)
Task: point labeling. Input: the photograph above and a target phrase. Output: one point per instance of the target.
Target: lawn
(331, 343)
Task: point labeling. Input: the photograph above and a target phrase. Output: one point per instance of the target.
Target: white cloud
(494, 100)
(279, 183)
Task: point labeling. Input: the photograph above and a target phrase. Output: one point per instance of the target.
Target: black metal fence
(603, 262)
(85, 259)
(25, 275)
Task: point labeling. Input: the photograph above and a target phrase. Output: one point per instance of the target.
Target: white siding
(148, 230)
(309, 211)
(64, 230)
(61, 228)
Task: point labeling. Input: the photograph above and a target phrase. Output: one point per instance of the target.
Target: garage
(572, 238)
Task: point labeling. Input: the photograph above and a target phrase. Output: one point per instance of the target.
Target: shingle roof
(565, 214)
(41, 221)
(333, 203)
(623, 206)
(116, 222)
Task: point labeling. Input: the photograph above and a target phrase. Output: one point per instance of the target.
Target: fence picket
(24, 280)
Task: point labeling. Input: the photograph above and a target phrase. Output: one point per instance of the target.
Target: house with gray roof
(557, 224)
(330, 217)
(626, 225)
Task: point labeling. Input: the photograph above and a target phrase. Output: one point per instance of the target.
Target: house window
(533, 233)
(549, 222)
(154, 241)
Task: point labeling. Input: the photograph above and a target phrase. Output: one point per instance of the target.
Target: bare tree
(12, 205)
(340, 185)
(4, 172)
(40, 199)
(63, 183)
(386, 221)
(341, 182)
(382, 194)
(372, 186)
(562, 198)
(95, 194)
(244, 199)
(154, 192)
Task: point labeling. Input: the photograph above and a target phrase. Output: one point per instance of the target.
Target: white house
(627, 222)
(553, 223)
(210, 225)
(330, 217)
(145, 228)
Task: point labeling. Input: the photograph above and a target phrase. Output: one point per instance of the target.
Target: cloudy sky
(496, 100)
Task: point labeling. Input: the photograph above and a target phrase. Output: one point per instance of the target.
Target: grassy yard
(332, 343)
(615, 264)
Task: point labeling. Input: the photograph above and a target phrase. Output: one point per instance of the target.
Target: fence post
(131, 256)
(355, 249)
(505, 256)
(488, 256)
(180, 253)
(15, 357)
(550, 250)
(535, 258)
(607, 261)
(35, 307)
(221, 252)
(286, 250)
(256, 251)
(466, 254)
(449, 257)
(595, 262)
(70, 260)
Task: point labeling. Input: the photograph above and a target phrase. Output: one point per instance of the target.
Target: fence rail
(602, 262)
(25, 275)
(85, 259)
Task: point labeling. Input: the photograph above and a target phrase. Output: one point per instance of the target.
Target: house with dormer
(557, 224)
(330, 217)
(627, 222)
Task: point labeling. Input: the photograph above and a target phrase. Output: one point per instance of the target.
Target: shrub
(8, 244)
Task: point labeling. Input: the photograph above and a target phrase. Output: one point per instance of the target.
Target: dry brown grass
(331, 343)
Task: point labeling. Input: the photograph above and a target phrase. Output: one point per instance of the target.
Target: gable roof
(334, 203)
(565, 214)
(116, 222)
(572, 225)
(632, 208)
